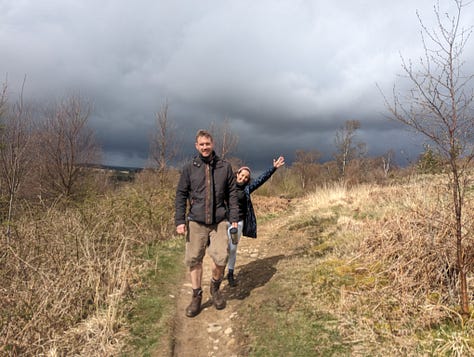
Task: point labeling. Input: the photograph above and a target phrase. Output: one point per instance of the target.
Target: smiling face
(243, 176)
(204, 145)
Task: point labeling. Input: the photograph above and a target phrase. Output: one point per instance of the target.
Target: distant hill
(114, 168)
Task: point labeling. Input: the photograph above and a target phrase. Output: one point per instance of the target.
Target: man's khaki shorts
(212, 237)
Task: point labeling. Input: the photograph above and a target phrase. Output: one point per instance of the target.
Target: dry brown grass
(66, 271)
(392, 262)
(379, 260)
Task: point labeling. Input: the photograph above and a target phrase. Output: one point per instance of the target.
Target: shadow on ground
(252, 276)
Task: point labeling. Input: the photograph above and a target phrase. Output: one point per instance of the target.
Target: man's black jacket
(210, 190)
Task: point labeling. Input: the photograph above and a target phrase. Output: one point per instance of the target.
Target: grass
(283, 324)
(301, 333)
(279, 320)
(153, 306)
(365, 279)
(67, 269)
(365, 273)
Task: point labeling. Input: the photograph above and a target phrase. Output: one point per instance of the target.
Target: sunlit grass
(68, 268)
(153, 307)
(372, 263)
(365, 271)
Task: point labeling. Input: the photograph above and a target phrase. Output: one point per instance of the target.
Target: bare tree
(3, 99)
(305, 165)
(387, 161)
(67, 144)
(225, 141)
(346, 148)
(15, 154)
(163, 144)
(439, 106)
(3, 106)
(3, 109)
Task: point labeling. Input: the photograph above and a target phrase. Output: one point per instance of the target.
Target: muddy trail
(213, 332)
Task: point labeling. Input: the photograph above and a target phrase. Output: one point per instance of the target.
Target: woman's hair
(244, 168)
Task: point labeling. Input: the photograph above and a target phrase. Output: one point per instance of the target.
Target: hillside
(366, 271)
(323, 279)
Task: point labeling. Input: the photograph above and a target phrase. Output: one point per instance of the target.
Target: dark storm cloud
(286, 74)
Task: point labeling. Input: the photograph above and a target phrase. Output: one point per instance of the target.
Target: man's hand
(181, 229)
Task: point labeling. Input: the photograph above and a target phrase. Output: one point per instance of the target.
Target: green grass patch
(448, 339)
(313, 224)
(268, 217)
(275, 331)
(328, 276)
(321, 249)
(334, 273)
(152, 308)
(284, 318)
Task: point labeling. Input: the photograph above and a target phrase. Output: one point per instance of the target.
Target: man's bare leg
(196, 276)
(217, 271)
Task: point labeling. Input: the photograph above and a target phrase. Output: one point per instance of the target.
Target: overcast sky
(286, 73)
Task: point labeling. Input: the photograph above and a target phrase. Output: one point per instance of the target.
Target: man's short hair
(205, 133)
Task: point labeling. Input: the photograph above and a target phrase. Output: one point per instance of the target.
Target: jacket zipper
(208, 195)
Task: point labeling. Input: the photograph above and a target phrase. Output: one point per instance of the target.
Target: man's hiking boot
(217, 298)
(195, 307)
(230, 278)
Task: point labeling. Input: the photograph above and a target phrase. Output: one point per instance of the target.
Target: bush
(66, 265)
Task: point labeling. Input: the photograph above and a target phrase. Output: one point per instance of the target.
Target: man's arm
(182, 195)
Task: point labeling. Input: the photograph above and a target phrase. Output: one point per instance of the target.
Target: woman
(247, 225)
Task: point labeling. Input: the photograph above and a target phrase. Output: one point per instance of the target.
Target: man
(207, 183)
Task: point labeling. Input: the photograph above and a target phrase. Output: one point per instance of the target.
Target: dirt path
(211, 333)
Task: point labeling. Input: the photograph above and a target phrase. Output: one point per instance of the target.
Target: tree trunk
(457, 199)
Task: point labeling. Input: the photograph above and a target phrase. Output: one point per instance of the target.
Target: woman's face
(243, 176)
